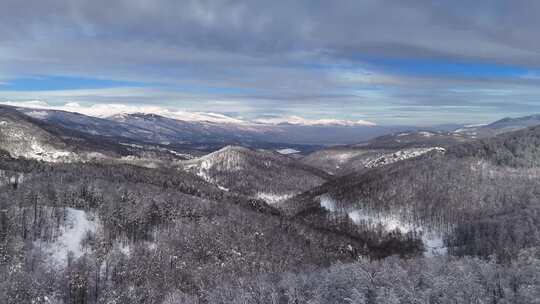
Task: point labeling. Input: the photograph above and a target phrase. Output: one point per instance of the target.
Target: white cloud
(27, 104)
(365, 77)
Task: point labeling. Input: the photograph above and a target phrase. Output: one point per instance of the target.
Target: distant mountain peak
(297, 120)
(177, 115)
(525, 119)
(122, 117)
(141, 115)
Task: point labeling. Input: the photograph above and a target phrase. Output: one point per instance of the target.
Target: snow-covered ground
(7, 177)
(222, 188)
(426, 134)
(77, 225)
(132, 145)
(272, 198)
(401, 155)
(23, 142)
(126, 248)
(202, 172)
(287, 151)
(403, 134)
(433, 240)
(157, 148)
(183, 155)
(41, 152)
(226, 159)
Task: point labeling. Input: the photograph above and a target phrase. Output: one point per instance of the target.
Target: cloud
(485, 30)
(290, 58)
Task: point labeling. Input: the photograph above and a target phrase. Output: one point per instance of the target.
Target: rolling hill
(258, 173)
(450, 198)
(383, 150)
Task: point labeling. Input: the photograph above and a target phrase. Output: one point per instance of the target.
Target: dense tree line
(438, 280)
(168, 236)
(517, 149)
(158, 231)
(253, 172)
(484, 209)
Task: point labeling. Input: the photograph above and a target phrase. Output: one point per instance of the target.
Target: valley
(142, 217)
(269, 152)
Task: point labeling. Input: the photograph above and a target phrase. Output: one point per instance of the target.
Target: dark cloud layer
(319, 56)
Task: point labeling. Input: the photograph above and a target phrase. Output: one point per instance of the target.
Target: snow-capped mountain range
(159, 125)
(118, 110)
(179, 133)
(297, 120)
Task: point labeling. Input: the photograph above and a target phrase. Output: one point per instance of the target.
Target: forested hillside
(479, 198)
(264, 174)
(269, 152)
(252, 226)
(516, 149)
(92, 233)
(382, 150)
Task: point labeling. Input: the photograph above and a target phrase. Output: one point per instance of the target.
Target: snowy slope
(390, 221)
(21, 138)
(258, 173)
(400, 155)
(383, 150)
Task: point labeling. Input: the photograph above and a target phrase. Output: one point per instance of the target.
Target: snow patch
(51, 155)
(222, 188)
(287, 151)
(226, 159)
(20, 142)
(401, 155)
(132, 145)
(425, 134)
(476, 125)
(183, 155)
(37, 114)
(10, 178)
(432, 240)
(77, 225)
(272, 198)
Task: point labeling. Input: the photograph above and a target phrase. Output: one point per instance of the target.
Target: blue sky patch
(50, 83)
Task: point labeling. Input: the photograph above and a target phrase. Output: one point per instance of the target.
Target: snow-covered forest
(452, 227)
(269, 152)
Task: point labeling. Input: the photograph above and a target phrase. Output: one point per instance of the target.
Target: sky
(388, 62)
